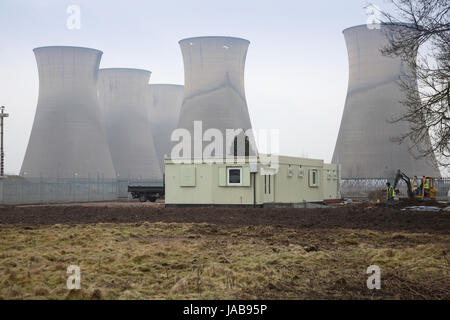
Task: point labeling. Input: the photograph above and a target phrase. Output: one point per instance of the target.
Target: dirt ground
(145, 251)
(354, 216)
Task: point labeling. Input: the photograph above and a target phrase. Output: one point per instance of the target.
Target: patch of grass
(201, 261)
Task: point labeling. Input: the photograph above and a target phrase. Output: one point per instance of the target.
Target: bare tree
(425, 28)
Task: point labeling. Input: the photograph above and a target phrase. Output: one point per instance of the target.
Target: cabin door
(269, 186)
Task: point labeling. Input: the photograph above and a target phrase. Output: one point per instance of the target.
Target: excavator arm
(401, 176)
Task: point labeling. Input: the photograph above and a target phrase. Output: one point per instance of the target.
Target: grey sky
(296, 72)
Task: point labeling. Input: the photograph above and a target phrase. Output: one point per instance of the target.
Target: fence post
(22, 192)
(40, 188)
(73, 187)
(1, 190)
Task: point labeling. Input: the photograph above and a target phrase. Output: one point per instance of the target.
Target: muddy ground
(349, 217)
(131, 250)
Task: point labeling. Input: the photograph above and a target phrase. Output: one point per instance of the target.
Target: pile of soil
(406, 202)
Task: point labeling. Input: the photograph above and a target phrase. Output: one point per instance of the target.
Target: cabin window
(187, 176)
(234, 176)
(314, 178)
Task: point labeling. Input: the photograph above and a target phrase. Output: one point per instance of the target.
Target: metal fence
(362, 187)
(18, 190)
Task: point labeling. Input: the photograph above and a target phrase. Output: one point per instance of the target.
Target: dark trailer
(146, 191)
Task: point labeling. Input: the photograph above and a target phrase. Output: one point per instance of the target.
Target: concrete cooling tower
(366, 146)
(67, 139)
(165, 104)
(214, 87)
(123, 100)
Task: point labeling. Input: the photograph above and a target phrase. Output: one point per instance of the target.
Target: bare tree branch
(425, 25)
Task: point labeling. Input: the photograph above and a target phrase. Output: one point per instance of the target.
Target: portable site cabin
(244, 183)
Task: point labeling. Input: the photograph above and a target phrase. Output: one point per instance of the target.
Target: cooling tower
(366, 146)
(67, 139)
(214, 86)
(123, 100)
(165, 104)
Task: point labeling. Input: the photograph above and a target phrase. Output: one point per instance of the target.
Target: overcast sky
(296, 72)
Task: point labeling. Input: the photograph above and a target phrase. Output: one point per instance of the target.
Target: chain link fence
(19, 190)
(362, 187)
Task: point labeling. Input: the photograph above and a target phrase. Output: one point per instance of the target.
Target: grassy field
(146, 260)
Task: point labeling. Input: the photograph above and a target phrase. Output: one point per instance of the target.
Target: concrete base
(305, 205)
(301, 205)
(171, 205)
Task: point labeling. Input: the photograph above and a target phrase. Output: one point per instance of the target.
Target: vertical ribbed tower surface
(67, 139)
(123, 99)
(366, 146)
(214, 85)
(165, 104)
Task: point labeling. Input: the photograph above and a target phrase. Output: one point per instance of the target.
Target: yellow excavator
(420, 188)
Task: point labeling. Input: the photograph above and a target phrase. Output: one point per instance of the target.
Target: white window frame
(314, 175)
(228, 176)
